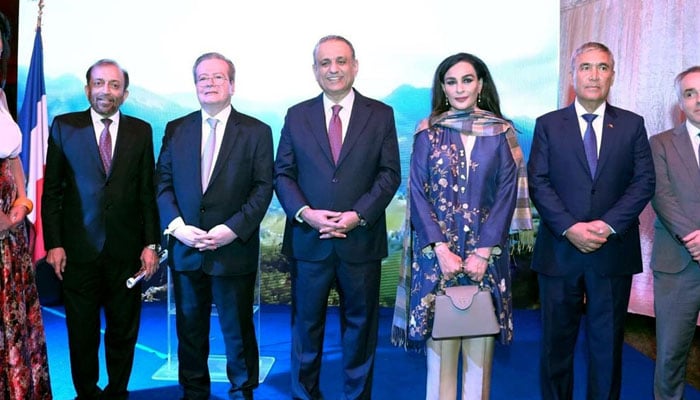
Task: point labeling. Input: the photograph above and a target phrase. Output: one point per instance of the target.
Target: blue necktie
(590, 144)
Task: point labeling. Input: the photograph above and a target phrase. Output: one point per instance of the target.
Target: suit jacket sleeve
(666, 202)
(167, 204)
(147, 191)
(52, 198)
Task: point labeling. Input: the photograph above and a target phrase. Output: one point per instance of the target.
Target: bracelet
(25, 202)
(438, 244)
(477, 255)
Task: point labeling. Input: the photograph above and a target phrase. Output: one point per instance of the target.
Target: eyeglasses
(216, 80)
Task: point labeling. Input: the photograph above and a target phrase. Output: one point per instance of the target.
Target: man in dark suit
(101, 226)
(676, 251)
(589, 181)
(214, 178)
(337, 169)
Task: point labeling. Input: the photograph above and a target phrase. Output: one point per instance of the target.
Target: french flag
(33, 121)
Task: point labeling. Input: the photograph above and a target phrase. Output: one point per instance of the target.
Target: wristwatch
(363, 222)
(154, 247)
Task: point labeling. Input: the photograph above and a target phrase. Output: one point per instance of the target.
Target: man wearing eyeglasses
(214, 184)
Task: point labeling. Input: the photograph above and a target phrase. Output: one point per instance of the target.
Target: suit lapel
(572, 129)
(607, 141)
(124, 143)
(191, 149)
(356, 125)
(317, 126)
(686, 152)
(86, 134)
(231, 135)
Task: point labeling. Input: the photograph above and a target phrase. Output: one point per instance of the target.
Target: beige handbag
(464, 311)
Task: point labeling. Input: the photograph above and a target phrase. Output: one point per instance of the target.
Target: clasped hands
(451, 264)
(216, 237)
(331, 224)
(588, 237)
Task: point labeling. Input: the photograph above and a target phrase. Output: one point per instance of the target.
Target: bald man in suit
(676, 250)
(335, 194)
(101, 226)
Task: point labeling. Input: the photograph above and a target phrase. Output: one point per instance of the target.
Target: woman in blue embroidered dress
(467, 174)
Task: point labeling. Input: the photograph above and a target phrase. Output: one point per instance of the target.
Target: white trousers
(443, 361)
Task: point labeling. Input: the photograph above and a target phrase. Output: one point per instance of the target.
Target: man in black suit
(337, 169)
(214, 177)
(591, 174)
(101, 226)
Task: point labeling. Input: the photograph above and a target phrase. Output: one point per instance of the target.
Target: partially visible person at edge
(214, 177)
(24, 369)
(101, 227)
(676, 250)
(337, 169)
(591, 174)
(467, 189)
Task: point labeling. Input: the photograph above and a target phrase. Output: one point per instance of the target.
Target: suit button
(334, 180)
(202, 209)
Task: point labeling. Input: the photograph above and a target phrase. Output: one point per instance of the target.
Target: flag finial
(40, 13)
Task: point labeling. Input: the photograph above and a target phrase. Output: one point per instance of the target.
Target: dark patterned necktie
(208, 153)
(590, 143)
(335, 133)
(105, 145)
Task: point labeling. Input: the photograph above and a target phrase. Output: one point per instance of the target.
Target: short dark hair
(107, 61)
(591, 46)
(679, 78)
(329, 38)
(215, 56)
(489, 95)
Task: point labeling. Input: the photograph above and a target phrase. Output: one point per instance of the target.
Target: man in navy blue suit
(214, 177)
(337, 169)
(101, 226)
(591, 174)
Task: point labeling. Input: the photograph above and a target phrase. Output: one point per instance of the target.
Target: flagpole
(33, 121)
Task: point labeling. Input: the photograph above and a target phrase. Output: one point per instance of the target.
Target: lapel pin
(610, 126)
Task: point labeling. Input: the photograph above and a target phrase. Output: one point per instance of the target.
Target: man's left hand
(149, 262)
(347, 219)
(218, 236)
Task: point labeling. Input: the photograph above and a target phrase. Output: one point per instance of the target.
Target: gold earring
(447, 102)
(478, 98)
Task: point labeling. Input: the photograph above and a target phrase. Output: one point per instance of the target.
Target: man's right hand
(323, 221)
(188, 234)
(586, 236)
(56, 257)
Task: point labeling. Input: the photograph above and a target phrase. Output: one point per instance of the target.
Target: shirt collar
(346, 102)
(693, 131)
(222, 116)
(580, 110)
(97, 118)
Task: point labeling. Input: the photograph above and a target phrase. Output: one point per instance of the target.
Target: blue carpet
(398, 374)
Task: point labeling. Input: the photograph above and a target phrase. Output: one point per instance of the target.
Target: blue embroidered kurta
(467, 211)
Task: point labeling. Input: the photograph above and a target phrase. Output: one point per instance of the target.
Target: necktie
(335, 133)
(105, 145)
(590, 143)
(208, 153)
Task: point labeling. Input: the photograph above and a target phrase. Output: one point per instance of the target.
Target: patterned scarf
(471, 123)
